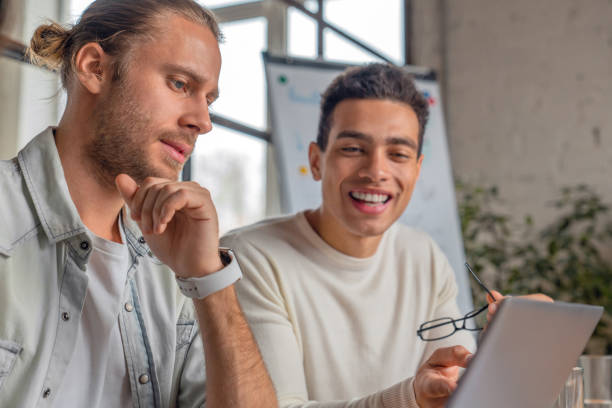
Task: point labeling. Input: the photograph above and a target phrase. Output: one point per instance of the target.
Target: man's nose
(375, 167)
(197, 119)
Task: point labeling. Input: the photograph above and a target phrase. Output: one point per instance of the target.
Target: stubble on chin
(121, 137)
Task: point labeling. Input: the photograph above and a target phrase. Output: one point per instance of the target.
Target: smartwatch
(199, 288)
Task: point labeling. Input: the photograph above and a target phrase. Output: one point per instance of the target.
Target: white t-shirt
(96, 375)
(331, 327)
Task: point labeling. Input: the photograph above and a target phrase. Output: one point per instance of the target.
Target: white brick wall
(528, 92)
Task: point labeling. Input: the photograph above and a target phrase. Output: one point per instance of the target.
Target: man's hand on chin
(437, 378)
(178, 221)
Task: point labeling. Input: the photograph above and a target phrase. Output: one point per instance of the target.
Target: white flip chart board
(295, 87)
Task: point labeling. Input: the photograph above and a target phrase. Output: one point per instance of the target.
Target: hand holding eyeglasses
(494, 304)
(437, 378)
(444, 327)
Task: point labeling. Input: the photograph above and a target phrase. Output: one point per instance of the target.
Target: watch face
(226, 258)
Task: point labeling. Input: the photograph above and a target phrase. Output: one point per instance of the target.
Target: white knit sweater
(338, 331)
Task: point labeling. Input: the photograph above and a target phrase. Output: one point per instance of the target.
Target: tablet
(525, 355)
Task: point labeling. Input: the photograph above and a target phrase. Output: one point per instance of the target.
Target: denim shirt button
(65, 316)
(143, 379)
(128, 306)
(46, 392)
(84, 245)
(141, 240)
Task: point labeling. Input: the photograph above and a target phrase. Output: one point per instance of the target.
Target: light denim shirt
(44, 249)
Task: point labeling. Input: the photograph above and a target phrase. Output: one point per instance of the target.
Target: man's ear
(92, 66)
(419, 164)
(314, 157)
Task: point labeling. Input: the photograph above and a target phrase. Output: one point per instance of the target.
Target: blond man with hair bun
(101, 247)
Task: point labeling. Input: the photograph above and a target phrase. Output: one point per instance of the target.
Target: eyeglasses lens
(438, 329)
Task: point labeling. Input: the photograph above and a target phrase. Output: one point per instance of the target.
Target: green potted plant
(566, 259)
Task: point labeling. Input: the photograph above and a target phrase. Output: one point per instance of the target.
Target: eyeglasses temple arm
(479, 281)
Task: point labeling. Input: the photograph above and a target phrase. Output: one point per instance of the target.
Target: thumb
(498, 296)
(449, 357)
(439, 387)
(126, 186)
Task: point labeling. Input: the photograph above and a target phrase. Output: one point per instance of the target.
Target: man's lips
(177, 150)
(370, 196)
(370, 201)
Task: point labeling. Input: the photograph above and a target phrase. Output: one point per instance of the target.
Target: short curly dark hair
(372, 81)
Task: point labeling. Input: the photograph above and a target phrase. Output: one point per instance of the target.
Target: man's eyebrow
(395, 140)
(195, 76)
(354, 135)
(402, 141)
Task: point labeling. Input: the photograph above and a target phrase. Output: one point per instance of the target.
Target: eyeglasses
(444, 327)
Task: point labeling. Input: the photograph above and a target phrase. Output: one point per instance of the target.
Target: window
(77, 7)
(379, 26)
(232, 165)
(242, 81)
(302, 31)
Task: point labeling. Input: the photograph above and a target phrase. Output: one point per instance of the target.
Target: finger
(494, 307)
(147, 222)
(196, 204)
(176, 201)
(539, 297)
(139, 197)
(159, 220)
(127, 187)
(449, 356)
(498, 296)
(491, 312)
(451, 373)
(438, 386)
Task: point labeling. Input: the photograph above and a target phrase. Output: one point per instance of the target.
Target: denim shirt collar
(44, 176)
(46, 183)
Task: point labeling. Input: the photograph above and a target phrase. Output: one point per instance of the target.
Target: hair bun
(48, 45)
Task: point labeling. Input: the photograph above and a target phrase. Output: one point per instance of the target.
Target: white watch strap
(201, 287)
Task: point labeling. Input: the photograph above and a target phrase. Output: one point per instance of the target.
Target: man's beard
(122, 138)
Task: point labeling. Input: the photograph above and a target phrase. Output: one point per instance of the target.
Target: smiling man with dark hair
(335, 295)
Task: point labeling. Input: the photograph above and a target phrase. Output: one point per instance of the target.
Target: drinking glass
(572, 393)
(597, 381)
